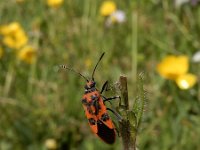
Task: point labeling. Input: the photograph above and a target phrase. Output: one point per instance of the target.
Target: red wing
(92, 119)
(103, 115)
(106, 129)
(99, 120)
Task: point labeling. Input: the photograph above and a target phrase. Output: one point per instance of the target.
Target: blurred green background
(40, 107)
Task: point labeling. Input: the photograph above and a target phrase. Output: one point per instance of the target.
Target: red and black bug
(95, 109)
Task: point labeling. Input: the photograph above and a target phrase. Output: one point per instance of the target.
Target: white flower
(119, 15)
(116, 17)
(196, 57)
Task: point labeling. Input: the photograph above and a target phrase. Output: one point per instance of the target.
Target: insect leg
(119, 118)
(104, 87)
(111, 98)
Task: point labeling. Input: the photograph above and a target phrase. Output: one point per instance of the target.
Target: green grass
(37, 102)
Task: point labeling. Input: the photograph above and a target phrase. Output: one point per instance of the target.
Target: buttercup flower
(16, 40)
(176, 68)
(54, 3)
(27, 54)
(10, 28)
(107, 8)
(186, 81)
(173, 66)
(14, 35)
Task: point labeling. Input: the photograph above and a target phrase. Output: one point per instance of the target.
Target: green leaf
(138, 106)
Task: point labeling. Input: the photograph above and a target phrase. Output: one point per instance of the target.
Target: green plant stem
(8, 81)
(134, 44)
(128, 137)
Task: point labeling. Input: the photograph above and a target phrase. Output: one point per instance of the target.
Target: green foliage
(139, 103)
(38, 103)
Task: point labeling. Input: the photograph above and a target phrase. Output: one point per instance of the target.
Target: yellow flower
(16, 40)
(186, 81)
(176, 68)
(54, 3)
(51, 144)
(27, 54)
(1, 52)
(10, 28)
(107, 8)
(21, 38)
(173, 66)
(14, 35)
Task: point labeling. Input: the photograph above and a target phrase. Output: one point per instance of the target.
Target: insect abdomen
(105, 133)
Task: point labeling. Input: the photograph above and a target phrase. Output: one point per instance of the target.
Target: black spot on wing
(84, 101)
(89, 110)
(104, 117)
(105, 133)
(92, 121)
(94, 97)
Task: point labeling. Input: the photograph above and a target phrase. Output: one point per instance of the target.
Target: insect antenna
(97, 65)
(70, 69)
